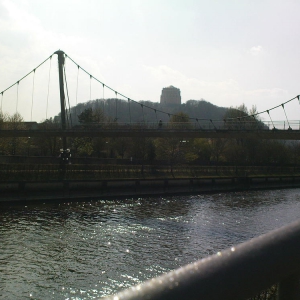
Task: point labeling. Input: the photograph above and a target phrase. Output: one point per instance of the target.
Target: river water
(92, 249)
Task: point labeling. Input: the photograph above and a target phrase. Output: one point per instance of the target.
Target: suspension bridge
(245, 126)
(262, 256)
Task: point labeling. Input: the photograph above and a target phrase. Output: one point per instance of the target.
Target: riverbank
(78, 190)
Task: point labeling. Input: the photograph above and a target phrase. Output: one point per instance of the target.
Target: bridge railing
(200, 125)
(205, 125)
(240, 272)
(13, 168)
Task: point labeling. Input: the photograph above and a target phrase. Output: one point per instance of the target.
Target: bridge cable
(48, 87)
(65, 102)
(66, 96)
(129, 110)
(17, 97)
(143, 112)
(286, 116)
(199, 124)
(2, 101)
(265, 111)
(156, 115)
(77, 90)
(91, 87)
(32, 94)
(211, 121)
(259, 113)
(113, 89)
(116, 118)
(17, 82)
(67, 116)
(169, 114)
(66, 83)
(103, 100)
(270, 118)
(163, 112)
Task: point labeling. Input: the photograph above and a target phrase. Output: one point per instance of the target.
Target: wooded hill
(125, 112)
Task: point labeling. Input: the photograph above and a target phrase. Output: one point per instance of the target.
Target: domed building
(170, 95)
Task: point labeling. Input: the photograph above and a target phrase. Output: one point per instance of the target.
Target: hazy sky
(226, 52)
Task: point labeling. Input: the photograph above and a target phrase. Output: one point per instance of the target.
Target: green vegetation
(152, 157)
(269, 294)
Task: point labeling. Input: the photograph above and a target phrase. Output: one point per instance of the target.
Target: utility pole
(64, 152)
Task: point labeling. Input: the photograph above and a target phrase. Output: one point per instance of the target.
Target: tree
(217, 147)
(174, 149)
(240, 150)
(141, 149)
(47, 145)
(86, 117)
(87, 146)
(199, 151)
(14, 145)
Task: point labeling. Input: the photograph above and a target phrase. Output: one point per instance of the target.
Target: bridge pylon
(61, 62)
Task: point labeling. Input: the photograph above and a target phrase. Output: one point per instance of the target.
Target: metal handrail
(201, 125)
(236, 273)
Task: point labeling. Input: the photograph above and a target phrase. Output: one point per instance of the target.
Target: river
(88, 250)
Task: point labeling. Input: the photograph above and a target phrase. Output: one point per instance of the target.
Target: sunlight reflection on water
(88, 250)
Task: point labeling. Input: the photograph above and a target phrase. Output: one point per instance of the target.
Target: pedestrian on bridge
(160, 124)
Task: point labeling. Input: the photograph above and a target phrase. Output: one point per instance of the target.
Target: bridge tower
(65, 153)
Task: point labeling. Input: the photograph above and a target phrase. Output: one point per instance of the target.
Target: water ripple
(91, 249)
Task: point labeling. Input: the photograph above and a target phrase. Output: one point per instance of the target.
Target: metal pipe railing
(236, 273)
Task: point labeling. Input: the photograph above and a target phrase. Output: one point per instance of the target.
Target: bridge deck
(155, 133)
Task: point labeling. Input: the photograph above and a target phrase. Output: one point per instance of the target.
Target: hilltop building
(170, 95)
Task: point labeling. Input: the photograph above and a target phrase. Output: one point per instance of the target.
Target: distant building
(170, 95)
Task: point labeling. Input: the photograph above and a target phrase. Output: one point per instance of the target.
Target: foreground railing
(237, 273)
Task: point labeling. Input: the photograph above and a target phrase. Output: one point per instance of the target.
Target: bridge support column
(61, 62)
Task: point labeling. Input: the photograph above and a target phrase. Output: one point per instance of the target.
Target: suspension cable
(2, 100)
(91, 77)
(197, 120)
(48, 87)
(169, 114)
(17, 97)
(116, 118)
(286, 116)
(270, 118)
(67, 116)
(113, 89)
(77, 90)
(103, 99)
(66, 83)
(155, 115)
(265, 111)
(17, 82)
(129, 110)
(32, 94)
(211, 121)
(143, 112)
